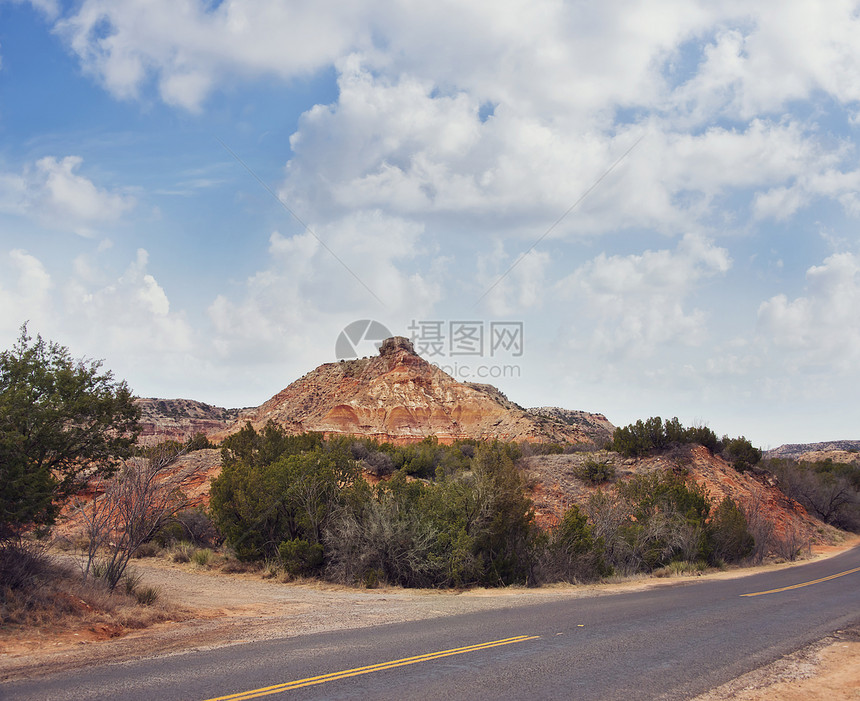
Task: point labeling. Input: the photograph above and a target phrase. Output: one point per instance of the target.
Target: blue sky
(712, 272)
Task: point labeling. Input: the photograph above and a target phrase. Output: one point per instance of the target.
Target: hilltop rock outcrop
(398, 396)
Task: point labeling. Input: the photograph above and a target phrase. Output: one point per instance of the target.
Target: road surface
(670, 642)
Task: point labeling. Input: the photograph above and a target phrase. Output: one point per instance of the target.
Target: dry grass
(50, 598)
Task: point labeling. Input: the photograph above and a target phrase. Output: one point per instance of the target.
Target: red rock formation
(400, 397)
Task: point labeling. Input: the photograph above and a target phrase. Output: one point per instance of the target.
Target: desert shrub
(253, 449)
(529, 449)
(378, 463)
(703, 436)
(198, 441)
(258, 505)
(640, 438)
(22, 563)
(826, 489)
(731, 540)
(150, 549)
(595, 471)
(791, 543)
(504, 532)
(740, 453)
(572, 553)
(147, 595)
(384, 540)
(678, 568)
(131, 581)
(182, 552)
(474, 526)
(197, 527)
(201, 557)
(299, 557)
(652, 520)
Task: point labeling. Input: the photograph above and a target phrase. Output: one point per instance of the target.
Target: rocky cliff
(180, 419)
(398, 396)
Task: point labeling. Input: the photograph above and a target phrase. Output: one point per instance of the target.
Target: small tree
(61, 420)
(137, 502)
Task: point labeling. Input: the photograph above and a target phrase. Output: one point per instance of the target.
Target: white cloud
(406, 134)
(123, 318)
(304, 297)
(821, 328)
(542, 56)
(186, 45)
(640, 301)
(54, 194)
(766, 55)
(400, 146)
(28, 297)
(511, 285)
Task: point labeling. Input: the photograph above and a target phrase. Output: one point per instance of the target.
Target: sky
(636, 208)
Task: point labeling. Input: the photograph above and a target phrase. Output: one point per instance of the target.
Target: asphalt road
(671, 642)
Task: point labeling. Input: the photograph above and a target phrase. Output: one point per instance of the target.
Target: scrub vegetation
(448, 516)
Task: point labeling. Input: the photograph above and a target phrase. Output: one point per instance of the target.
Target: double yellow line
(804, 584)
(311, 681)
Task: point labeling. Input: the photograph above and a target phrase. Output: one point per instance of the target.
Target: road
(671, 642)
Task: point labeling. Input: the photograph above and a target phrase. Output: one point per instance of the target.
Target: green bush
(640, 438)
(595, 471)
(740, 453)
(275, 488)
(299, 557)
(198, 441)
(573, 553)
(729, 535)
(652, 520)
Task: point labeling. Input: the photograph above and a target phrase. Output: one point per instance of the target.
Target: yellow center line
(804, 584)
(310, 681)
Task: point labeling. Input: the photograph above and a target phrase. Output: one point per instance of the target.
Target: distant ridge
(795, 450)
(180, 419)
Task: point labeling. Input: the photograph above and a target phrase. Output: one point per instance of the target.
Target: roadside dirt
(828, 670)
(215, 609)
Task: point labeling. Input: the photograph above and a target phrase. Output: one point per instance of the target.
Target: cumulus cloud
(540, 55)
(400, 146)
(822, 327)
(55, 194)
(508, 126)
(640, 301)
(25, 292)
(305, 296)
(186, 46)
(764, 56)
(125, 318)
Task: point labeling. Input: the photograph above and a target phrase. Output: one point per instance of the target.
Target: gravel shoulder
(216, 609)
